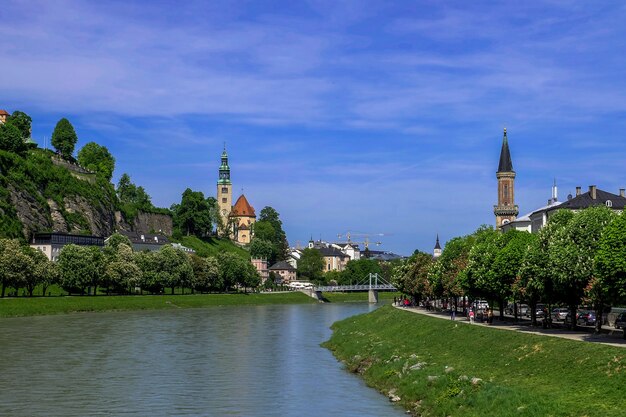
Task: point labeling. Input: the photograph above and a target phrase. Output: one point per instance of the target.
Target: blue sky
(378, 117)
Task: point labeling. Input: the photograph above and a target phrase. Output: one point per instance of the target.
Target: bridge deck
(365, 287)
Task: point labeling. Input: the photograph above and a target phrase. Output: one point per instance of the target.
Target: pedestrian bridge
(362, 287)
(376, 283)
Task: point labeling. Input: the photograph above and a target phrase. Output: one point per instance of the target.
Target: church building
(237, 220)
(506, 210)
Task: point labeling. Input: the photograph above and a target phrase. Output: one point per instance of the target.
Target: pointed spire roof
(437, 245)
(505, 156)
(242, 208)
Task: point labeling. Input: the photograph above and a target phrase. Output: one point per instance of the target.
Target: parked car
(620, 321)
(539, 311)
(559, 314)
(522, 309)
(482, 304)
(586, 318)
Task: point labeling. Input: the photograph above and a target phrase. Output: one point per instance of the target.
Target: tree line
(578, 258)
(117, 269)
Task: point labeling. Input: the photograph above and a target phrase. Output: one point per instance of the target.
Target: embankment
(434, 367)
(37, 306)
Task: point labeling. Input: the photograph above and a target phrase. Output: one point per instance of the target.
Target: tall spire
(505, 156)
(437, 249)
(224, 176)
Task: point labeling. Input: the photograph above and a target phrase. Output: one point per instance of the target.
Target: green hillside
(36, 195)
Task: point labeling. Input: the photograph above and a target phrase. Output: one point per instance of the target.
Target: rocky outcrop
(30, 211)
(153, 222)
(100, 218)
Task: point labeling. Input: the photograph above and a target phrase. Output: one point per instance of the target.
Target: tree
(22, 122)
(98, 159)
(175, 269)
(11, 139)
(150, 272)
(38, 269)
(14, 263)
(122, 274)
(235, 270)
(572, 254)
(81, 267)
(610, 261)
(193, 215)
(261, 249)
(279, 239)
(358, 270)
(412, 276)
(310, 265)
(445, 276)
(513, 245)
(115, 240)
(478, 279)
(205, 273)
(64, 138)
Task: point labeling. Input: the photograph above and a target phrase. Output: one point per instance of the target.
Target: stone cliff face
(146, 223)
(77, 215)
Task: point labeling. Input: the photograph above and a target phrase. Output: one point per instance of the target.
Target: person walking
(471, 316)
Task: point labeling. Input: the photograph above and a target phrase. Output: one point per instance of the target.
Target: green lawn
(430, 363)
(341, 297)
(24, 306)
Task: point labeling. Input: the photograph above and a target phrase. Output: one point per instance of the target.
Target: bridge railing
(362, 287)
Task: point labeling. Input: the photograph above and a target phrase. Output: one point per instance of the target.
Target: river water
(220, 361)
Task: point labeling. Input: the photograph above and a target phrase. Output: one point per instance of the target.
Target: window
(609, 203)
(506, 191)
(224, 189)
(224, 200)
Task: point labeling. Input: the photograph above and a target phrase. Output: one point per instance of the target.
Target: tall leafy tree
(98, 159)
(122, 274)
(261, 249)
(14, 264)
(175, 269)
(11, 139)
(513, 245)
(610, 263)
(412, 276)
(358, 270)
(64, 138)
(22, 122)
(478, 279)
(572, 254)
(279, 239)
(205, 274)
(81, 267)
(311, 265)
(194, 214)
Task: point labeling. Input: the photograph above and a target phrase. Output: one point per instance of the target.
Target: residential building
(3, 116)
(285, 271)
(505, 211)
(350, 249)
(145, 242)
(52, 243)
(334, 259)
(261, 267)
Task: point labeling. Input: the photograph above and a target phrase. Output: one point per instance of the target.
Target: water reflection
(222, 361)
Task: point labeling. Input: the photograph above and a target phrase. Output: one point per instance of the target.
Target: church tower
(224, 189)
(506, 211)
(437, 250)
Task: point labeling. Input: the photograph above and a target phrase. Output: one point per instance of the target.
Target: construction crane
(365, 236)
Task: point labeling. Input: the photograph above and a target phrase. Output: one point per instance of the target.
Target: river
(219, 361)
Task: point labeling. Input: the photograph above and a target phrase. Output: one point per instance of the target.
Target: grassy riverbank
(344, 297)
(430, 363)
(36, 306)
